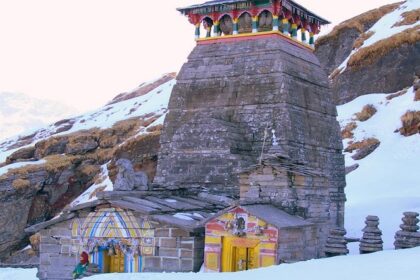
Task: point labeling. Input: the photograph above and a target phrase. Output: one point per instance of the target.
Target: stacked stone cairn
(336, 243)
(372, 236)
(408, 236)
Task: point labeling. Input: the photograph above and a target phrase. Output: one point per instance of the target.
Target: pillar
(254, 24)
(275, 23)
(303, 31)
(294, 31)
(311, 39)
(235, 26)
(216, 28)
(197, 31)
(285, 25)
(208, 29)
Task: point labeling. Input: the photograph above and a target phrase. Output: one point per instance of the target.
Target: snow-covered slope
(385, 28)
(387, 182)
(154, 102)
(20, 113)
(390, 265)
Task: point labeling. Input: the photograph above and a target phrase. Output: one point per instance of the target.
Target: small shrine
(230, 19)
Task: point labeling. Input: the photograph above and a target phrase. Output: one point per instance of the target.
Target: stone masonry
(409, 235)
(227, 95)
(176, 250)
(372, 236)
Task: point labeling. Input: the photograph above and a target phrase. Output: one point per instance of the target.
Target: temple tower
(252, 72)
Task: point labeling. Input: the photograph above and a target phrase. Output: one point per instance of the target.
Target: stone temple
(250, 172)
(247, 78)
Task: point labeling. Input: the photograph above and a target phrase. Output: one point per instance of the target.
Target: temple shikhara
(250, 170)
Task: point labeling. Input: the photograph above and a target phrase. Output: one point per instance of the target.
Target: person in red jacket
(81, 268)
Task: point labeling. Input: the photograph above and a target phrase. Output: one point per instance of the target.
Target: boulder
(128, 179)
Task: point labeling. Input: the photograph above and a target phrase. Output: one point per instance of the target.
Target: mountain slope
(20, 113)
(378, 51)
(43, 172)
(385, 182)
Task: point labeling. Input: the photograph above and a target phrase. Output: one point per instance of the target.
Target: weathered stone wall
(298, 244)
(59, 252)
(227, 94)
(302, 195)
(175, 251)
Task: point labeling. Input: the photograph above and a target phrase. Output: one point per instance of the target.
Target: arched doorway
(226, 25)
(245, 23)
(265, 21)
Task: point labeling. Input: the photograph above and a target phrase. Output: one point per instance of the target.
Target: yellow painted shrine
(238, 241)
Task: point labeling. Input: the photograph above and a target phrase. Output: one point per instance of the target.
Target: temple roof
(270, 214)
(184, 212)
(289, 4)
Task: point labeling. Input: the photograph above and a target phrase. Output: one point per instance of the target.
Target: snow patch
(386, 183)
(105, 185)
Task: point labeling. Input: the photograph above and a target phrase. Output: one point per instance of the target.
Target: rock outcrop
(129, 180)
(56, 170)
(386, 66)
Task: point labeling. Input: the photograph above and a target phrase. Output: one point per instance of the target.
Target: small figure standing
(81, 268)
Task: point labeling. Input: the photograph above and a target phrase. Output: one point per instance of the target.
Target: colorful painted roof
(114, 223)
(224, 5)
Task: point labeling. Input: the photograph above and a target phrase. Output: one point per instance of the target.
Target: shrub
(367, 112)
(410, 123)
(347, 132)
(20, 184)
(409, 18)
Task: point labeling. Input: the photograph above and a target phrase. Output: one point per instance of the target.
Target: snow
(387, 265)
(386, 183)
(105, 185)
(18, 274)
(5, 169)
(183, 216)
(171, 200)
(384, 28)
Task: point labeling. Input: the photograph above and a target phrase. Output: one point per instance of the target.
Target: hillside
(20, 113)
(378, 51)
(42, 172)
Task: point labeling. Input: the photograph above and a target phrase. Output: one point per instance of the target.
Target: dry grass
(409, 18)
(358, 22)
(362, 38)
(417, 95)
(21, 184)
(156, 128)
(347, 132)
(410, 123)
(140, 145)
(397, 94)
(35, 241)
(368, 55)
(90, 170)
(362, 144)
(367, 112)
